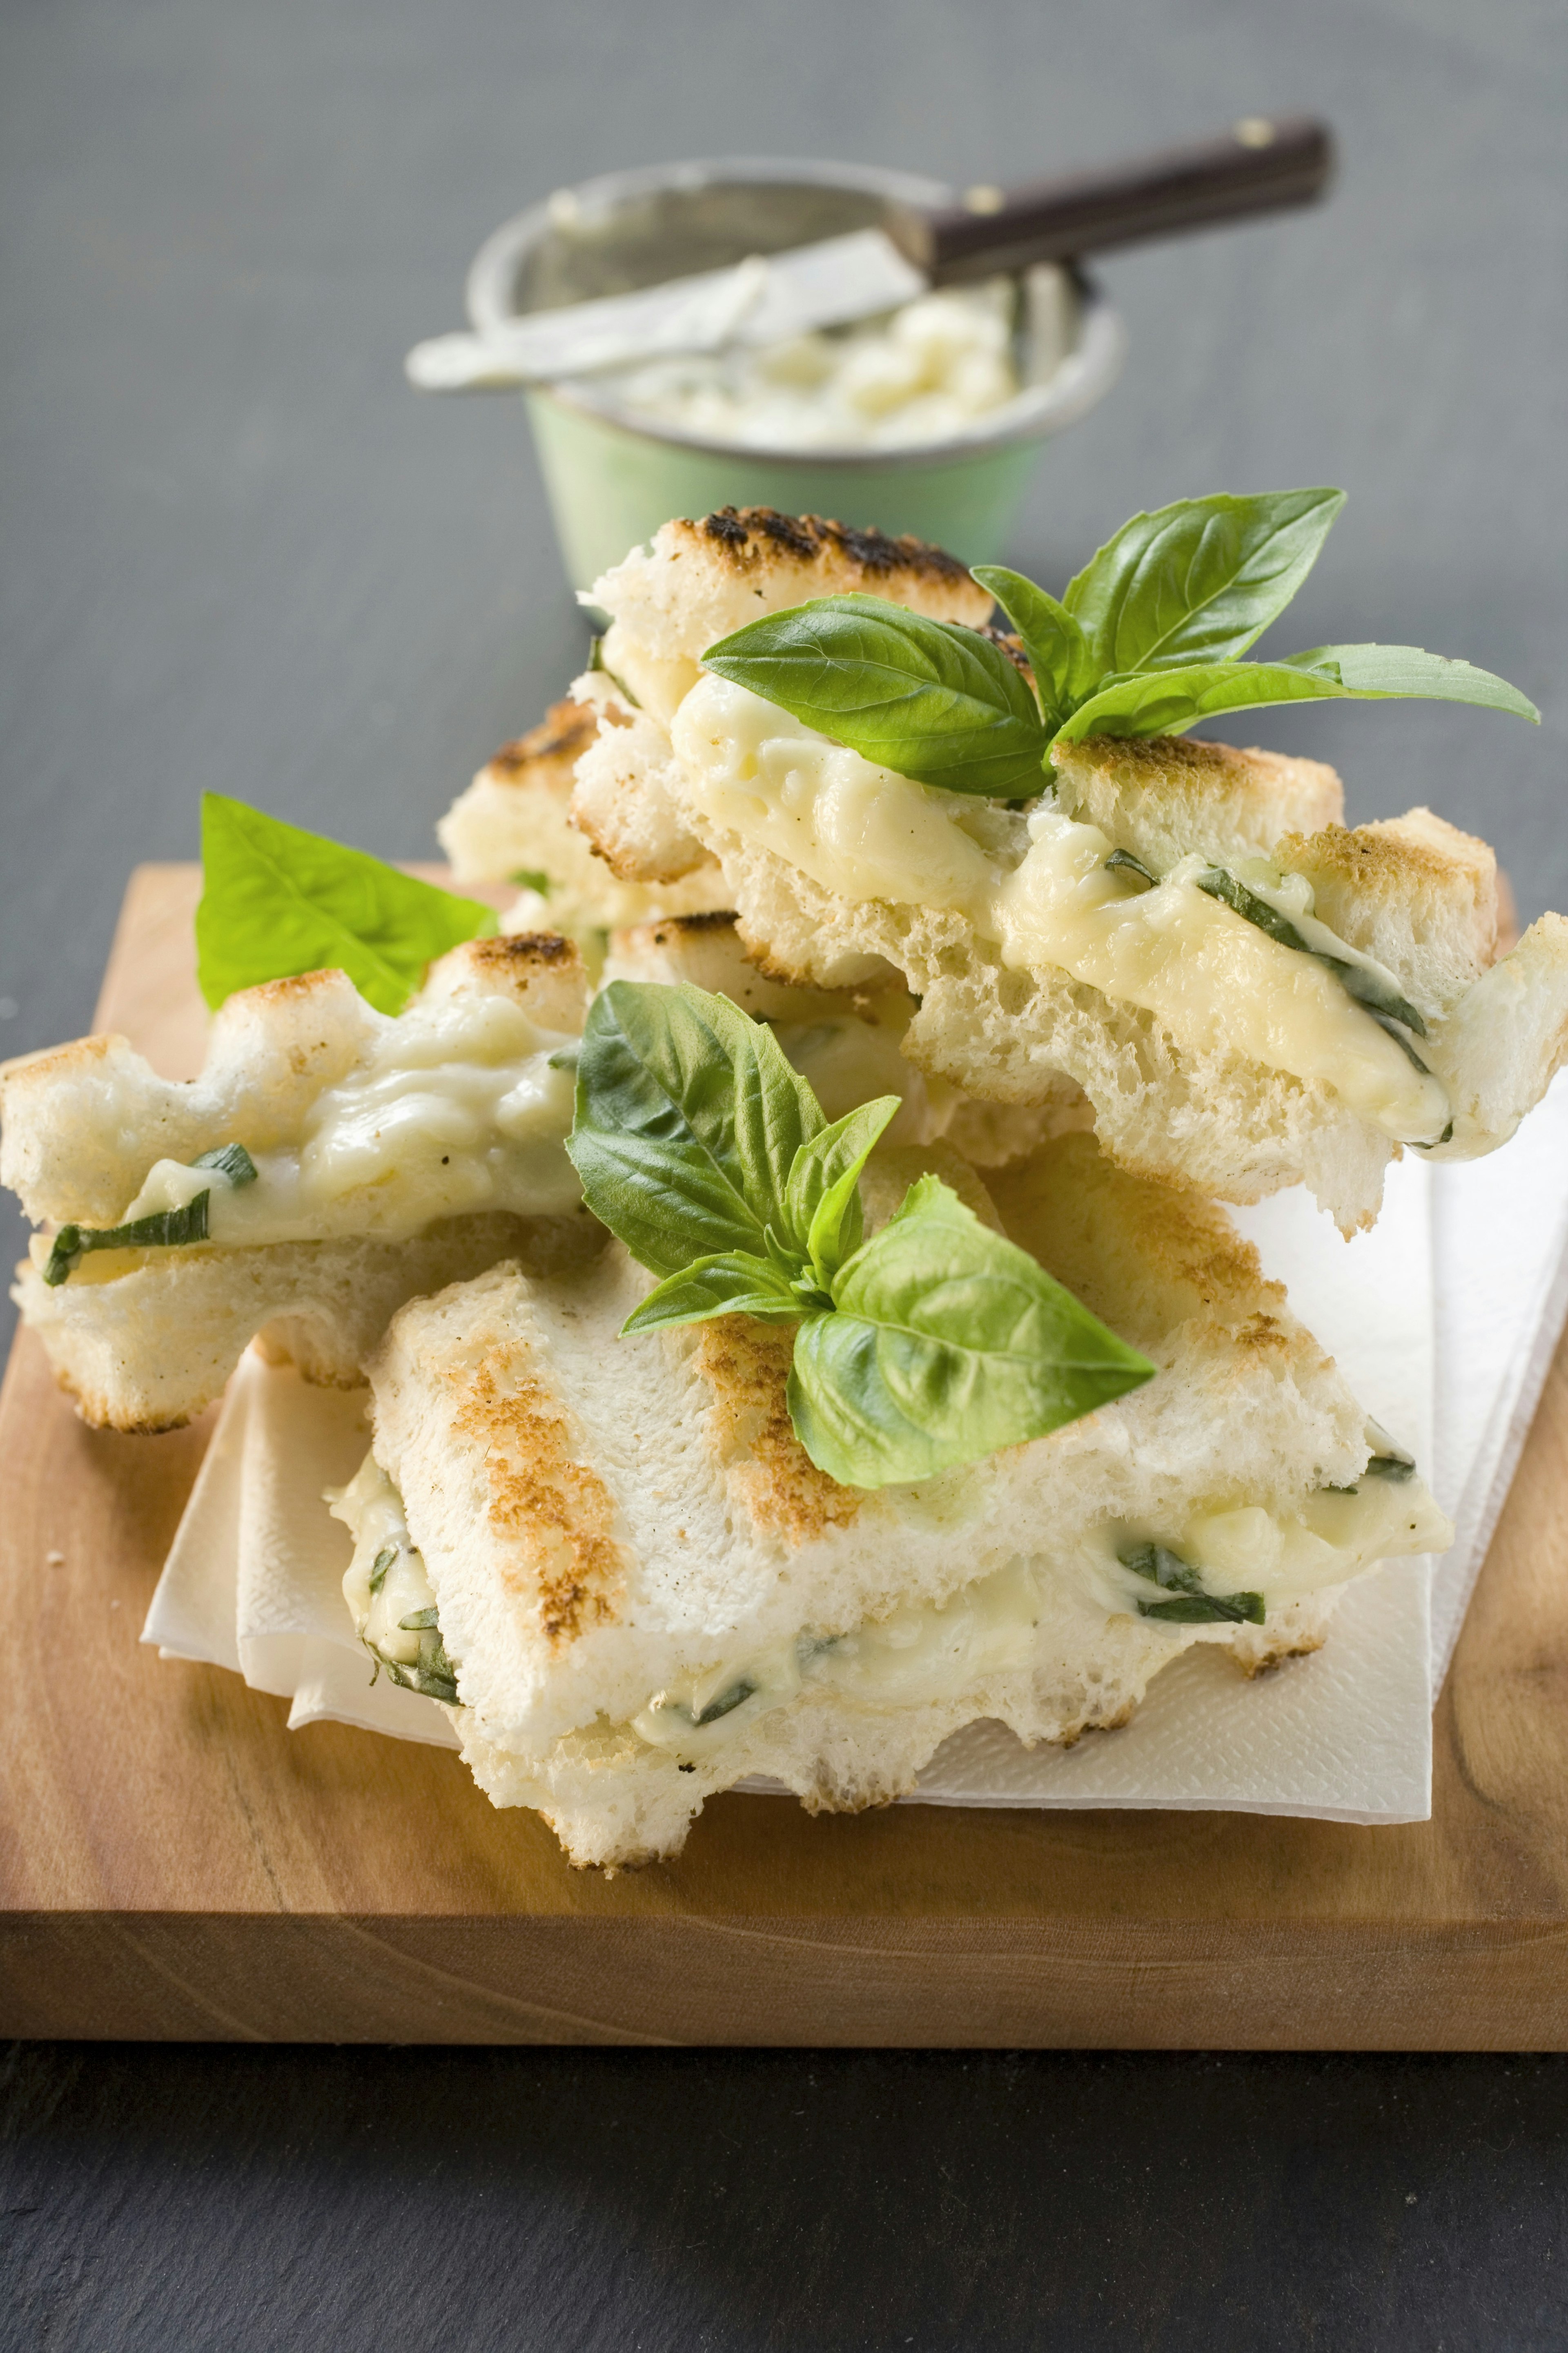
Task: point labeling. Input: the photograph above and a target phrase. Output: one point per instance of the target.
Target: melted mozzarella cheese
(917, 1655)
(855, 828)
(458, 1108)
(371, 1508)
(930, 1652)
(1333, 1536)
(1216, 981)
(659, 683)
(937, 1650)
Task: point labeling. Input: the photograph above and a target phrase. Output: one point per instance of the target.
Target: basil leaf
(161, 1230)
(946, 1343)
(233, 1160)
(1200, 580)
(653, 1138)
(1196, 1607)
(1207, 1609)
(1373, 673)
(931, 701)
(276, 900)
(1125, 859)
(689, 1117)
(1168, 702)
(822, 1200)
(1059, 654)
(530, 877)
(1382, 1000)
(731, 1283)
(774, 1111)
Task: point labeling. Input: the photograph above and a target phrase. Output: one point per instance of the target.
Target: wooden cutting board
(175, 1864)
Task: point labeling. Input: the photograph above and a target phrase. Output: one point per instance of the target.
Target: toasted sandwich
(1249, 993)
(329, 1164)
(846, 1043)
(513, 824)
(614, 1563)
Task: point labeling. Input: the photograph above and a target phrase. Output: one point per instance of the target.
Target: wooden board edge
(970, 1984)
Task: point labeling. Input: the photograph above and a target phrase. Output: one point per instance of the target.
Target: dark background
(237, 552)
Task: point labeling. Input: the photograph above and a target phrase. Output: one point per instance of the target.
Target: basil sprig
(1147, 641)
(932, 1344)
(161, 1229)
(276, 900)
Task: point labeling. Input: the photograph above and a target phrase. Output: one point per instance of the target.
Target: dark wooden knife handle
(1262, 165)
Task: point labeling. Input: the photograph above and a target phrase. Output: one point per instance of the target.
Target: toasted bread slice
(390, 1156)
(697, 582)
(513, 824)
(650, 1592)
(847, 1041)
(701, 581)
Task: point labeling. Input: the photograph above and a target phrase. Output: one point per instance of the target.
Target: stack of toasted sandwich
(987, 1412)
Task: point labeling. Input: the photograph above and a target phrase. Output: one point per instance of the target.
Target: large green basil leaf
(946, 1343)
(823, 1200)
(688, 1121)
(276, 900)
(731, 1283)
(1168, 702)
(1200, 580)
(1059, 654)
(773, 1111)
(927, 699)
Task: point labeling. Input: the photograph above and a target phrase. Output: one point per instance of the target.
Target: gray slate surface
(238, 554)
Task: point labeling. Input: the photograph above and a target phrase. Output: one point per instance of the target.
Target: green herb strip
(1397, 1467)
(735, 1697)
(531, 878)
(596, 661)
(1385, 1005)
(165, 1229)
(1123, 860)
(230, 1160)
(1193, 1606)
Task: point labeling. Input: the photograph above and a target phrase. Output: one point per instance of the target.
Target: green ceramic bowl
(613, 477)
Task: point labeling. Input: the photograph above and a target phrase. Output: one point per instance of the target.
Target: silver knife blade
(764, 300)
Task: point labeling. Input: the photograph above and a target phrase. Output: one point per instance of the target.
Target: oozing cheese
(939, 1651)
(659, 685)
(1214, 979)
(931, 1651)
(371, 1508)
(457, 1109)
(907, 1660)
